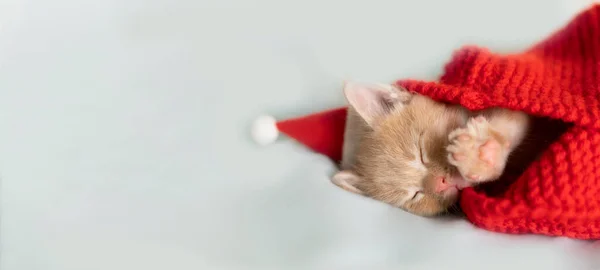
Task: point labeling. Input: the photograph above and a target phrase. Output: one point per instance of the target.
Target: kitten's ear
(374, 101)
(347, 180)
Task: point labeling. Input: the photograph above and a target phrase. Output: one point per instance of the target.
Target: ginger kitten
(414, 153)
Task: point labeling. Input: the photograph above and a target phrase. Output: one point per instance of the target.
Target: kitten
(414, 153)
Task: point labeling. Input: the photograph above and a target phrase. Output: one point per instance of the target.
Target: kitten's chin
(451, 193)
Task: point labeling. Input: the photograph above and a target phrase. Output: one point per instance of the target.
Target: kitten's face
(402, 159)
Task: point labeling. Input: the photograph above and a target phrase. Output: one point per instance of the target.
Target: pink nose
(441, 184)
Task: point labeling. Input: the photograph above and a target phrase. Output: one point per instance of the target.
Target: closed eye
(421, 154)
(417, 195)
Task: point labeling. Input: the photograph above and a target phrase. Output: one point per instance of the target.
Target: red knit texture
(559, 193)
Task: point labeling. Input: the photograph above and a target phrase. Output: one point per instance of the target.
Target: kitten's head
(401, 159)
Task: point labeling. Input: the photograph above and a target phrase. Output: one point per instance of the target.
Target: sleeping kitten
(414, 153)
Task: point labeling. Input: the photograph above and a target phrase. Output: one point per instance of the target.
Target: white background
(124, 133)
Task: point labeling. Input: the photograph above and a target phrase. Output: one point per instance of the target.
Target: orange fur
(398, 143)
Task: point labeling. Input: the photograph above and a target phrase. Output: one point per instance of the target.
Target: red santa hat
(323, 132)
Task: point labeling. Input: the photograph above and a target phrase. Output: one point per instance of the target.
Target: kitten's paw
(478, 152)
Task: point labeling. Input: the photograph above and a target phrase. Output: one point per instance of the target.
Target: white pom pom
(264, 130)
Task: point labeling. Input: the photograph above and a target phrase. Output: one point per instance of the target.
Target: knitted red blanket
(559, 78)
